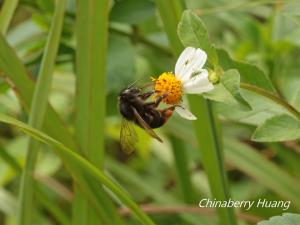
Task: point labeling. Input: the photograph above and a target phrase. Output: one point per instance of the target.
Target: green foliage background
(244, 145)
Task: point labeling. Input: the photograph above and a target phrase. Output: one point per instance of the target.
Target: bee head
(129, 92)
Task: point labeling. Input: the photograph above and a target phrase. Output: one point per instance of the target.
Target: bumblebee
(135, 108)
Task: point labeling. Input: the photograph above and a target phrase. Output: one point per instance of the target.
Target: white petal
(187, 53)
(198, 84)
(190, 60)
(185, 113)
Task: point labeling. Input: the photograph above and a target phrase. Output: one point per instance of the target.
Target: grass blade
(41, 196)
(52, 207)
(128, 176)
(37, 114)
(23, 85)
(183, 173)
(92, 33)
(265, 172)
(82, 170)
(170, 13)
(7, 11)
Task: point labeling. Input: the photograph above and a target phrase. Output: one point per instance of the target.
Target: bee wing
(147, 85)
(128, 136)
(147, 128)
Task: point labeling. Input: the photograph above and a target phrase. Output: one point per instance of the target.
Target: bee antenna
(131, 85)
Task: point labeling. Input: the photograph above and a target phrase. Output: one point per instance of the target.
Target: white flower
(189, 78)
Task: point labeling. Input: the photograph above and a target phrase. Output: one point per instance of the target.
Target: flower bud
(213, 77)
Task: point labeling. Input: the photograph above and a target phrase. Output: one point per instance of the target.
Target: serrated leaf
(192, 32)
(228, 91)
(278, 128)
(250, 74)
(285, 219)
(262, 109)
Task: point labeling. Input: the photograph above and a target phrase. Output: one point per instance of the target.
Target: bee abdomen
(154, 119)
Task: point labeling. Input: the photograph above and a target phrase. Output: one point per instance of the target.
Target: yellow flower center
(168, 84)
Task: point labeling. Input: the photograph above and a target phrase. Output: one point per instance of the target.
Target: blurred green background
(265, 33)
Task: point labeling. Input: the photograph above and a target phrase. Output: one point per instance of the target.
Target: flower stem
(208, 133)
(207, 129)
(272, 97)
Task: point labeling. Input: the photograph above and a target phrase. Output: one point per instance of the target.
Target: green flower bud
(214, 77)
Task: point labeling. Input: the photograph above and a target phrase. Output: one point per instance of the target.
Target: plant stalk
(91, 61)
(206, 127)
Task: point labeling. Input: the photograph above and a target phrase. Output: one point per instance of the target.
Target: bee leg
(172, 108)
(167, 112)
(157, 101)
(146, 95)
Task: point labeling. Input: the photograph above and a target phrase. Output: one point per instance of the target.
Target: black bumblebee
(134, 108)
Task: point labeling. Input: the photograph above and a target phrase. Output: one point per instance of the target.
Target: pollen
(167, 84)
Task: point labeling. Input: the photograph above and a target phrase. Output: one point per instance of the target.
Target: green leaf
(192, 32)
(132, 11)
(82, 171)
(285, 219)
(262, 109)
(228, 91)
(278, 128)
(250, 74)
